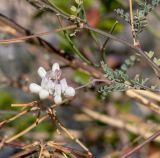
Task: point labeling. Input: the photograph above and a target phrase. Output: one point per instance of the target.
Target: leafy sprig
(150, 54)
(140, 17)
(129, 62)
(121, 81)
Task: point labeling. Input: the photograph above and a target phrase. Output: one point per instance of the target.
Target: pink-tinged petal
(34, 88)
(58, 99)
(63, 84)
(57, 90)
(41, 72)
(69, 92)
(43, 94)
(47, 84)
(52, 86)
(55, 67)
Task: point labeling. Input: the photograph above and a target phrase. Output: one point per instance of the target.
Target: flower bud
(63, 84)
(43, 94)
(47, 84)
(58, 99)
(57, 90)
(69, 92)
(41, 72)
(55, 67)
(34, 88)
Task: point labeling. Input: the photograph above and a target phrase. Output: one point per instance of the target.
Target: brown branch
(12, 138)
(14, 144)
(140, 128)
(135, 48)
(22, 38)
(146, 102)
(54, 119)
(151, 138)
(13, 118)
(26, 153)
(65, 57)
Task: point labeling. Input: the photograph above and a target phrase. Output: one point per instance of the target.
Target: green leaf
(73, 9)
(150, 54)
(156, 61)
(105, 90)
(128, 62)
(109, 73)
(123, 15)
(124, 67)
(132, 57)
(72, 17)
(79, 2)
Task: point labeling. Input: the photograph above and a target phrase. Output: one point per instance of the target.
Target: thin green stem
(72, 44)
(60, 11)
(106, 41)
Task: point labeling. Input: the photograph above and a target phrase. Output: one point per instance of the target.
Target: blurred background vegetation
(21, 60)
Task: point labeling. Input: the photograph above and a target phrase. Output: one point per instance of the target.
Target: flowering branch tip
(52, 84)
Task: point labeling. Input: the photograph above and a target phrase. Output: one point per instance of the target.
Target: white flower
(47, 85)
(69, 92)
(41, 72)
(57, 90)
(63, 84)
(52, 85)
(55, 67)
(35, 88)
(58, 99)
(43, 94)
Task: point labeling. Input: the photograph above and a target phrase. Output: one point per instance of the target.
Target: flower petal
(69, 92)
(52, 85)
(57, 89)
(58, 99)
(63, 84)
(55, 67)
(43, 94)
(47, 84)
(41, 72)
(34, 88)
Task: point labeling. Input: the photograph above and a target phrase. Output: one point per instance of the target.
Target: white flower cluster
(52, 85)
